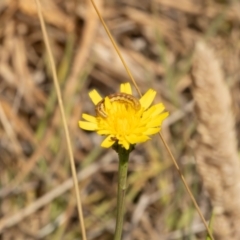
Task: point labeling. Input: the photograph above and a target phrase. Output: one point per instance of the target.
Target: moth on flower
(124, 118)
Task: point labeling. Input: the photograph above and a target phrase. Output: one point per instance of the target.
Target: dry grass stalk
(216, 153)
(63, 116)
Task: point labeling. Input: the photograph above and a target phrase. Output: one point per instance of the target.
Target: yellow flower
(123, 118)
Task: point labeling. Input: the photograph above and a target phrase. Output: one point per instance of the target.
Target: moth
(120, 97)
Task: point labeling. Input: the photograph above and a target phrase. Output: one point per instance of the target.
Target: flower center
(119, 113)
(122, 118)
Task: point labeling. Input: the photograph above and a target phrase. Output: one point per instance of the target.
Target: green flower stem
(123, 155)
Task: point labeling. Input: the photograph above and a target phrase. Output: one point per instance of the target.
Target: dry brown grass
(216, 152)
(157, 41)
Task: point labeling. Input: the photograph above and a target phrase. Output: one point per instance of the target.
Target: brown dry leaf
(216, 153)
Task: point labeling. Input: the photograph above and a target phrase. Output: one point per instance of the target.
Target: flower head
(123, 118)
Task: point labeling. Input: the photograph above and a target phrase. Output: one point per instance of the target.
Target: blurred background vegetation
(157, 39)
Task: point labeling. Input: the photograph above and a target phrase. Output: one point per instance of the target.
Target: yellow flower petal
(104, 132)
(107, 142)
(95, 96)
(155, 122)
(165, 115)
(89, 118)
(147, 99)
(108, 103)
(137, 139)
(125, 143)
(139, 130)
(126, 88)
(159, 108)
(151, 131)
(88, 125)
(156, 109)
